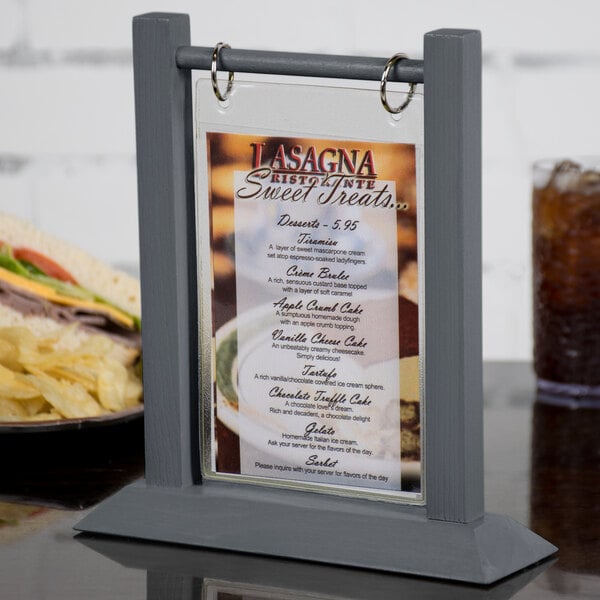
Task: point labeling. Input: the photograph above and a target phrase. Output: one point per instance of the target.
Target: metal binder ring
(382, 86)
(213, 74)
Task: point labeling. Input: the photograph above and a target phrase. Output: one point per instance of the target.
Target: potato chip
(8, 355)
(50, 415)
(45, 378)
(12, 410)
(133, 390)
(112, 382)
(81, 374)
(96, 345)
(36, 405)
(11, 387)
(69, 399)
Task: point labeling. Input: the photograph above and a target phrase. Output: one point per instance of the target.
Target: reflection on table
(565, 492)
(71, 468)
(542, 468)
(212, 575)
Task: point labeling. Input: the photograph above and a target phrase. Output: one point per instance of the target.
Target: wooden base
(321, 528)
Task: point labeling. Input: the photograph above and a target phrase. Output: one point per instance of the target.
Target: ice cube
(565, 176)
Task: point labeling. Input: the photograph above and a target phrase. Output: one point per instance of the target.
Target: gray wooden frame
(451, 536)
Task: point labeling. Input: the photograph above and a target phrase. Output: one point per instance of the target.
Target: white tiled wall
(67, 158)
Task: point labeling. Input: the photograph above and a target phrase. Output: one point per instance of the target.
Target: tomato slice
(44, 264)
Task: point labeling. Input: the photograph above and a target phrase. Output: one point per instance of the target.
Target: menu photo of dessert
(315, 314)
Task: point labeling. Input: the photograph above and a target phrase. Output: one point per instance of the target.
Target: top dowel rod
(299, 64)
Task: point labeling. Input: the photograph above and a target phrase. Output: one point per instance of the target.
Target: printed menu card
(315, 313)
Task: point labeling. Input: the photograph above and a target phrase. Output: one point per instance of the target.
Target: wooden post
(163, 108)
(453, 362)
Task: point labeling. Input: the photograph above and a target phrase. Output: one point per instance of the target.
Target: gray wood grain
(163, 102)
(453, 360)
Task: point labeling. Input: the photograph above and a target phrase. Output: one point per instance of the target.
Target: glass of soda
(566, 279)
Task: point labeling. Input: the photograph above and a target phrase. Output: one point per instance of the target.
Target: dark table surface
(542, 469)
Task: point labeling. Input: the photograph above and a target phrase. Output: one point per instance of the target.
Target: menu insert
(314, 272)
